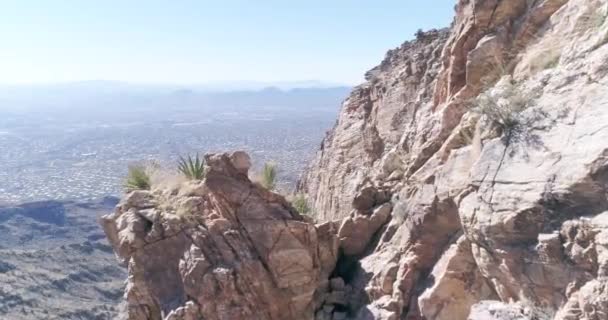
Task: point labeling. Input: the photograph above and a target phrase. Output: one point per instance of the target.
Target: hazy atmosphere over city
(75, 141)
(304, 160)
(92, 91)
(88, 87)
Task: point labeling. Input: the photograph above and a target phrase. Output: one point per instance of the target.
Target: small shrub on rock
(137, 178)
(510, 109)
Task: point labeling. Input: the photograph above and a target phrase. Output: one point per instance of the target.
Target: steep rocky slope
(466, 179)
(479, 214)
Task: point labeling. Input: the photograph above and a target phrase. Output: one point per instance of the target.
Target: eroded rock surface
(432, 208)
(479, 212)
(223, 248)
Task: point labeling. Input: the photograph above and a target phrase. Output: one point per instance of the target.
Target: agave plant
(137, 178)
(269, 176)
(192, 167)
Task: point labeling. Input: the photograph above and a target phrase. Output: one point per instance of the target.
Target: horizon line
(304, 83)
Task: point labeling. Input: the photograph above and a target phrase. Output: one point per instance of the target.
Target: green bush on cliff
(192, 167)
(269, 176)
(137, 178)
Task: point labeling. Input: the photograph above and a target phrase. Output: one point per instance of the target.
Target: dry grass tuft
(138, 178)
(268, 176)
(510, 109)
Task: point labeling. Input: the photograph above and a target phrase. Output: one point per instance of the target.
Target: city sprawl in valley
(78, 148)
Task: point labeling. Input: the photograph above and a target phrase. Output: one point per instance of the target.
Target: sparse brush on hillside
(269, 176)
(505, 107)
(137, 178)
(192, 168)
(547, 58)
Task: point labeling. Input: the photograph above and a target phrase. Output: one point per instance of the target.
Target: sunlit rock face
(479, 216)
(466, 179)
(222, 248)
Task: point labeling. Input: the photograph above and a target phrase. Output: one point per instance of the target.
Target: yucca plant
(269, 176)
(192, 167)
(300, 203)
(137, 178)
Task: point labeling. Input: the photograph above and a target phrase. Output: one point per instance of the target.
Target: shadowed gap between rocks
(586, 198)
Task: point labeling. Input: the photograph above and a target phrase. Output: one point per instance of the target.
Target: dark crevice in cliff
(346, 268)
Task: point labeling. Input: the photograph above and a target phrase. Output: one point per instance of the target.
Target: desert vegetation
(546, 58)
(138, 178)
(300, 203)
(191, 167)
(268, 176)
(510, 109)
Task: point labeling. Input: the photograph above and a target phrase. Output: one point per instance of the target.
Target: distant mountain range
(210, 86)
(108, 94)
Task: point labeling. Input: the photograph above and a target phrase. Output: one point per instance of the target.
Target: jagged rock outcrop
(372, 120)
(485, 219)
(222, 248)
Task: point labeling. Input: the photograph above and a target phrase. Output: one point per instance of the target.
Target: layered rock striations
(466, 179)
(479, 212)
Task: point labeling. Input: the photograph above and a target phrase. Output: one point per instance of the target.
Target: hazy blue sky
(197, 41)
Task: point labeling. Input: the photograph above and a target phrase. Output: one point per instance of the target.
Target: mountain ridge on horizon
(233, 85)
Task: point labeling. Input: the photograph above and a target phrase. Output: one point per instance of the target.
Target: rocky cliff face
(478, 214)
(466, 179)
(222, 248)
